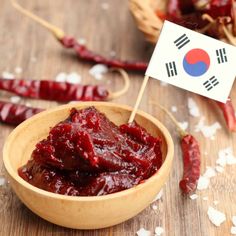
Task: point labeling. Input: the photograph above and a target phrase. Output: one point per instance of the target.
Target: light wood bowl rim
(167, 162)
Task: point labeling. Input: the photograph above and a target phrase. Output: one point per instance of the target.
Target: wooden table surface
(107, 30)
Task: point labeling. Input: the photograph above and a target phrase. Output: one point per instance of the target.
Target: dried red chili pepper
(229, 114)
(82, 51)
(218, 8)
(14, 114)
(61, 91)
(191, 157)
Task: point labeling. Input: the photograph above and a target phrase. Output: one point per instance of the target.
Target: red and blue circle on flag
(196, 62)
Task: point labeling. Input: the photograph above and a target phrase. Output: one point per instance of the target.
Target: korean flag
(194, 62)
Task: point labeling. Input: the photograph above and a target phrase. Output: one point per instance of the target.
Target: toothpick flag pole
(139, 98)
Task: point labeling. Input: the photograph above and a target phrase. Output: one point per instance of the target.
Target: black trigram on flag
(171, 69)
(181, 41)
(221, 55)
(209, 84)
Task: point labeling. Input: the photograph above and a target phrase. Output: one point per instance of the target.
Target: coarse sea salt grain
(154, 207)
(159, 231)
(219, 169)
(159, 196)
(216, 203)
(143, 232)
(98, 71)
(18, 70)
(210, 172)
(226, 157)
(193, 196)
(15, 99)
(234, 220)
(215, 216)
(233, 230)
(2, 181)
(28, 104)
(73, 78)
(61, 77)
(193, 108)
(207, 131)
(112, 53)
(203, 183)
(7, 75)
(82, 41)
(205, 198)
(174, 109)
(183, 125)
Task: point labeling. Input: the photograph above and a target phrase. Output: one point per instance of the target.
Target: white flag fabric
(194, 62)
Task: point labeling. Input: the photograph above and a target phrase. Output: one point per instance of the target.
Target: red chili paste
(88, 155)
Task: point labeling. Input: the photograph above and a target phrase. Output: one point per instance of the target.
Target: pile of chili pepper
(191, 157)
(190, 14)
(214, 18)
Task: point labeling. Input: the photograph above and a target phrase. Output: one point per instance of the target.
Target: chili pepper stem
(57, 32)
(125, 76)
(181, 131)
(227, 33)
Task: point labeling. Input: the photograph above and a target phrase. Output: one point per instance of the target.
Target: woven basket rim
(147, 20)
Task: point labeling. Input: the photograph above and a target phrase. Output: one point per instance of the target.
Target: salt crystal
(154, 207)
(164, 84)
(82, 41)
(15, 99)
(226, 157)
(174, 109)
(7, 75)
(215, 216)
(98, 71)
(112, 53)
(159, 196)
(200, 124)
(73, 78)
(233, 230)
(234, 220)
(193, 108)
(28, 104)
(193, 196)
(18, 70)
(205, 153)
(143, 232)
(216, 202)
(210, 172)
(183, 125)
(219, 169)
(159, 231)
(61, 77)
(209, 131)
(2, 181)
(205, 198)
(203, 183)
(105, 6)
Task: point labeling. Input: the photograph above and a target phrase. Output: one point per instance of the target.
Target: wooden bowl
(83, 212)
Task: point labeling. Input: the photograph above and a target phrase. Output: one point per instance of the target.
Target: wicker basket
(147, 20)
(144, 12)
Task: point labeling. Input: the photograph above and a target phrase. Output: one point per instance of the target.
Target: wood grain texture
(22, 41)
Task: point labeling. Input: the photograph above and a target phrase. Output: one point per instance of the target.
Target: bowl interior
(22, 140)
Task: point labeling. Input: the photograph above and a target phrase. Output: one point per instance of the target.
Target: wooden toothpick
(139, 98)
